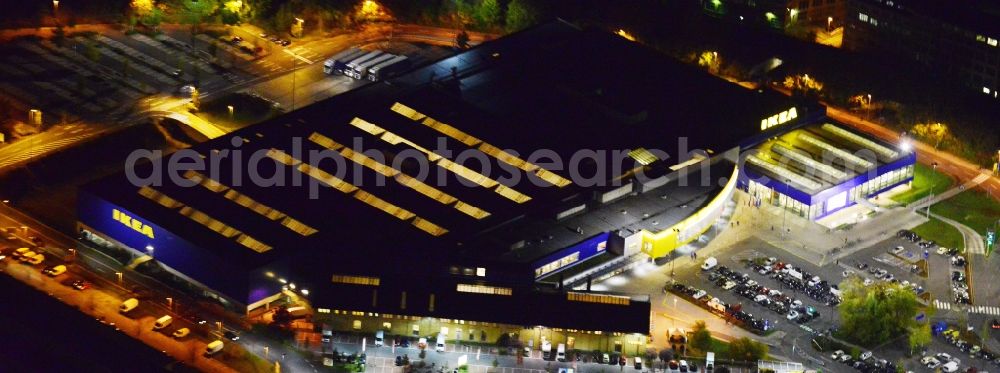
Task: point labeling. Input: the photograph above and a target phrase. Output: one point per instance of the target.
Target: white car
(930, 362)
(836, 354)
(949, 367)
(942, 251)
(793, 314)
(945, 357)
(729, 285)
(897, 250)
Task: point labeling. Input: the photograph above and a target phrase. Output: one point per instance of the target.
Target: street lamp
(230, 107)
(119, 275)
(55, 8)
(829, 24)
(170, 303)
(149, 250)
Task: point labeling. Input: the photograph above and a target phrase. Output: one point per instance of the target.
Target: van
(128, 305)
(214, 347)
(379, 336)
(440, 343)
(546, 350)
(561, 352)
(162, 322)
(709, 263)
(638, 363)
(709, 362)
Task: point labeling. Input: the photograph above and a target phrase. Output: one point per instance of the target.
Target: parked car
(181, 333)
(80, 285)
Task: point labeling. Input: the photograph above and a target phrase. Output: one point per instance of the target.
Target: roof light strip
(204, 219)
(840, 153)
(360, 195)
(783, 172)
(250, 203)
(400, 177)
(445, 163)
(857, 139)
(809, 161)
(484, 147)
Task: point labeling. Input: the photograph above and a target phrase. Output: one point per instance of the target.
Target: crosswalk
(982, 310)
(942, 305)
(40, 149)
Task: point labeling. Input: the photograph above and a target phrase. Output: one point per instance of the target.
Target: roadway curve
(958, 168)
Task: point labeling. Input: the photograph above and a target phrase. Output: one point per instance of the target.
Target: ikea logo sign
(131, 222)
(780, 118)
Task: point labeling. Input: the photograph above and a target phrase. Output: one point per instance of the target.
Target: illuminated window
(252, 243)
(643, 156)
(481, 272)
(323, 310)
(387, 325)
(986, 90)
(426, 226)
(597, 298)
(356, 280)
(209, 222)
(562, 262)
(991, 41)
(863, 17)
(357, 324)
(483, 289)
(472, 141)
(160, 198)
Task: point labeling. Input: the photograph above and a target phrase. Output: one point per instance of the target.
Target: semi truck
(360, 60)
(359, 70)
(388, 68)
(337, 63)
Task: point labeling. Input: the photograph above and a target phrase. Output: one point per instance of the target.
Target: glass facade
(820, 208)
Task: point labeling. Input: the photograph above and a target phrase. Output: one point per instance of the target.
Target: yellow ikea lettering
(130, 222)
(780, 118)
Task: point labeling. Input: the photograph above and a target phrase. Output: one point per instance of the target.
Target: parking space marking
(293, 54)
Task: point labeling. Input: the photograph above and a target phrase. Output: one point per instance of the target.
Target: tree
(193, 12)
(722, 370)
(874, 314)
(521, 14)
(701, 337)
(666, 355)
(920, 337)
(747, 349)
(488, 14)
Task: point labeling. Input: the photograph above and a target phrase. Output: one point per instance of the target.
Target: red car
(80, 285)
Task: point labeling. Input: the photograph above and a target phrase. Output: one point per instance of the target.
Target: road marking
(942, 305)
(293, 54)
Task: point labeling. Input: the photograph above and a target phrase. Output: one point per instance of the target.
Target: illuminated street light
(291, 286)
(829, 24)
(170, 303)
(230, 111)
(906, 145)
(119, 274)
(149, 250)
(55, 7)
(305, 291)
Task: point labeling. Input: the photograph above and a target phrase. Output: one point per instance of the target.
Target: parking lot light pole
(170, 303)
(119, 274)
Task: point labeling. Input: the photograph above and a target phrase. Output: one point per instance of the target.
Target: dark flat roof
(553, 87)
